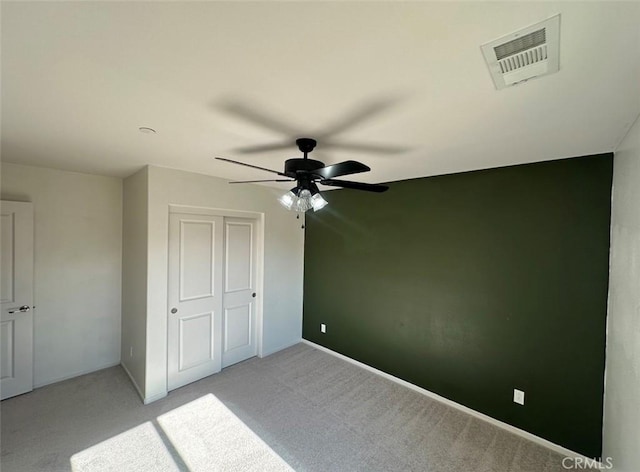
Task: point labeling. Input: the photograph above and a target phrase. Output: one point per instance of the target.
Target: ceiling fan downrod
(300, 167)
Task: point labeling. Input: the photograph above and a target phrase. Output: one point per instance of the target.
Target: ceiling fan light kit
(302, 199)
(306, 172)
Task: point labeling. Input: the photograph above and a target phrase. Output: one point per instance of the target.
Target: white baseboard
(520, 432)
(279, 348)
(156, 397)
(76, 374)
(145, 400)
(133, 381)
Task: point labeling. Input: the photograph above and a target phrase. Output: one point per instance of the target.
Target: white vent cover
(528, 53)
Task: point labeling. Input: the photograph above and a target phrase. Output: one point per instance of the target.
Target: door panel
(197, 243)
(7, 334)
(195, 252)
(16, 296)
(237, 322)
(196, 340)
(239, 291)
(7, 227)
(239, 244)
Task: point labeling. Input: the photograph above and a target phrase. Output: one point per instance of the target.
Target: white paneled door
(238, 322)
(195, 298)
(16, 281)
(211, 320)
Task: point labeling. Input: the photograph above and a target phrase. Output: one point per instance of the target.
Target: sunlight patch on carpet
(137, 449)
(202, 435)
(208, 436)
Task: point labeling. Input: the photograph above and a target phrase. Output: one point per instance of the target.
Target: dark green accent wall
(470, 285)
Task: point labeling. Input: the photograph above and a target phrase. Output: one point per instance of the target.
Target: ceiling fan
(307, 173)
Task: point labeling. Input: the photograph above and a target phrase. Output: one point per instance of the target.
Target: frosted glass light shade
(303, 203)
(317, 202)
(287, 200)
(302, 200)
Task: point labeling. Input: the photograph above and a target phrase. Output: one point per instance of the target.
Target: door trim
(259, 218)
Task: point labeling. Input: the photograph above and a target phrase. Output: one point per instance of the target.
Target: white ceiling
(80, 78)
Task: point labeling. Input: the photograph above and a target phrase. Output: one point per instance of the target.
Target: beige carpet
(298, 409)
(201, 436)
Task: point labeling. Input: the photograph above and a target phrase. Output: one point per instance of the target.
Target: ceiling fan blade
(368, 148)
(342, 168)
(250, 112)
(264, 148)
(253, 181)
(355, 185)
(356, 117)
(251, 165)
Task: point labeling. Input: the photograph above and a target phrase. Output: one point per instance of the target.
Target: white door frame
(259, 217)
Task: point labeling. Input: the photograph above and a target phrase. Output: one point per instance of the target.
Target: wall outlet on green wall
(323, 328)
(518, 396)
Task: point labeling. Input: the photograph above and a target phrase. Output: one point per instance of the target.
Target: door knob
(253, 294)
(23, 309)
(174, 310)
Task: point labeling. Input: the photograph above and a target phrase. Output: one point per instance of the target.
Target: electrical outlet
(323, 328)
(518, 396)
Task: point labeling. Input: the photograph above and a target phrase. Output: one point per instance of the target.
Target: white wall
(283, 260)
(134, 277)
(78, 240)
(622, 385)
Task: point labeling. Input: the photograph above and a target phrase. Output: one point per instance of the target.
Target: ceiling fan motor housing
(292, 166)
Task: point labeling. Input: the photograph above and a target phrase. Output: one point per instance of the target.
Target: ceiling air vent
(528, 53)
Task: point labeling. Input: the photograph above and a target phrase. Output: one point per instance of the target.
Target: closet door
(239, 294)
(195, 297)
